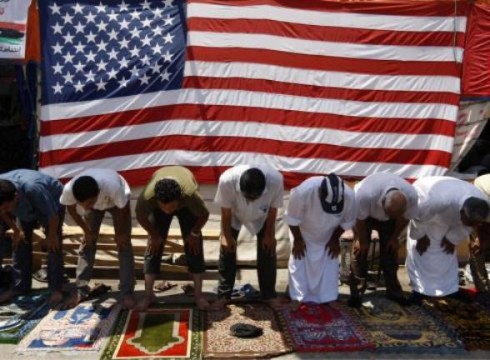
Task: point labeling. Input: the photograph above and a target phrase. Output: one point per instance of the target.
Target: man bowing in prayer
(249, 196)
(29, 198)
(448, 210)
(319, 211)
(385, 202)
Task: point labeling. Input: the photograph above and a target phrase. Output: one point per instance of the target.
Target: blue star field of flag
(106, 49)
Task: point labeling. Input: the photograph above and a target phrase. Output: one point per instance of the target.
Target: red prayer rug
(323, 328)
(220, 344)
(158, 333)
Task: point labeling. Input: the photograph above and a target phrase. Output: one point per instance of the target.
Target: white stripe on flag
(252, 99)
(252, 130)
(324, 48)
(335, 19)
(323, 78)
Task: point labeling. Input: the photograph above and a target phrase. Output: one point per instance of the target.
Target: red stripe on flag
(324, 63)
(13, 26)
(313, 91)
(208, 175)
(408, 8)
(240, 114)
(244, 144)
(327, 33)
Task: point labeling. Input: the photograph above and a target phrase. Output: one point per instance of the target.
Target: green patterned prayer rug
(471, 321)
(220, 344)
(162, 332)
(396, 329)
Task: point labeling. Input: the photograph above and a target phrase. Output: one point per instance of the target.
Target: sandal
(99, 289)
(237, 294)
(163, 286)
(250, 292)
(41, 275)
(188, 289)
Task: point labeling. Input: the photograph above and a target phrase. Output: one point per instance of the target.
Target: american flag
(308, 87)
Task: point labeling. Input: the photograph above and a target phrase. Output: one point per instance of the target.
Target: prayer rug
(325, 327)
(471, 321)
(394, 329)
(159, 333)
(83, 328)
(220, 344)
(21, 316)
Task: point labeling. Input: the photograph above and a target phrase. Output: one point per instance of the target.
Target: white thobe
(441, 198)
(314, 278)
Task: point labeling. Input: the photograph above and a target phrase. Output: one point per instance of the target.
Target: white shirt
(114, 190)
(371, 191)
(251, 214)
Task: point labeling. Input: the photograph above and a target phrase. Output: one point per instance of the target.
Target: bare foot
(202, 303)
(128, 302)
(73, 300)
(7, 296)
(145, 303)
(55, 299)
(219, 304)
(274, 303)
(164, 286)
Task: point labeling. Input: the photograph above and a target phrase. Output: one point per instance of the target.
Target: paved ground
(245, 276)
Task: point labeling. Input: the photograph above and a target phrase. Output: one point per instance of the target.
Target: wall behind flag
(13, 20)
(307, 87)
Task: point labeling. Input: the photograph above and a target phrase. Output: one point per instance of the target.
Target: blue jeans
(22, 258)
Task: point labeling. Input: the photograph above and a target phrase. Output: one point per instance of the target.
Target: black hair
(476, 209)
(167, 190)
(7, 191)
(252, 182)
(84, 188)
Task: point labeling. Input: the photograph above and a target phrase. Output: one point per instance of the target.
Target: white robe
(435, 273)
(314, 278)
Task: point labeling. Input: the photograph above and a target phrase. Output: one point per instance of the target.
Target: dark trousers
(22, 259)
(266, 269)
(86, 259)
(162, 221)
(388, 261)
(478, 256)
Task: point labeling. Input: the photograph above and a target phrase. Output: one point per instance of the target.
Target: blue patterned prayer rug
(21, 316)
(83, 328)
